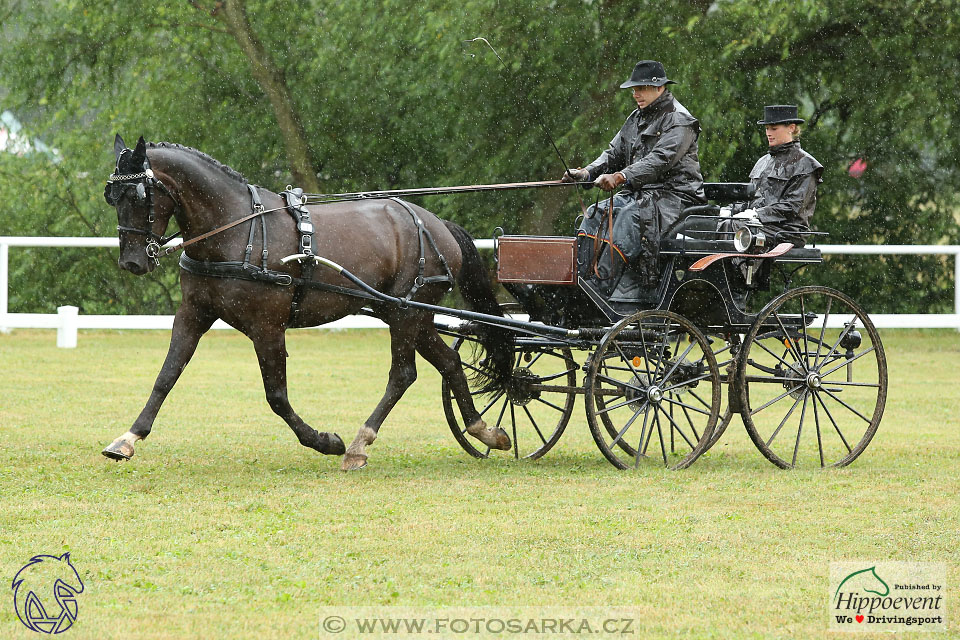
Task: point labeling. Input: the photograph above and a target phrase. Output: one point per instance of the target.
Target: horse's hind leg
(447, 361)
(272, 353)
(403, 373)
(188, 326)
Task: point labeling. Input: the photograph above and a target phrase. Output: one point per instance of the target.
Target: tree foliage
(386, 94)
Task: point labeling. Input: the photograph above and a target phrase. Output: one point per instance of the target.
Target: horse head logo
(866, 580)
(45, 593)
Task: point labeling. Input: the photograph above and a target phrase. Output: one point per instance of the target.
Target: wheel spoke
(663, 448)
(777, 399)
(834, 422)
(790, 345)
(796, 447)
(618, 383)
(472, 367)
(783, 422)
(782, 360)
(843, 334)
(803, 330)
(643, 434)
(632, 369)
(862, 417)
(816, 420)
(679, 360)
(646, 352)
(690, 421)
(642, 410)
(685, 405)
(503, 411)
(608, 409)
(823, 329)
(534, 423)
(513, 423)
(846, 362)
(549, 404)
(491, 403)
(686, 382)
(699, 399)
(674, 425)
(663, 348)
(649, 434)
(843, 383)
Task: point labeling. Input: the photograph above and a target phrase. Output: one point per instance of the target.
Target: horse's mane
(233, 173)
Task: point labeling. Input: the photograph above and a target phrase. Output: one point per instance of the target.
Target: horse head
(132, 190)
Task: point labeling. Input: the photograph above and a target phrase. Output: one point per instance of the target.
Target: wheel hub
(655, 394)
(813, 380)
(520, 390)
(794, 376)
(637, 393)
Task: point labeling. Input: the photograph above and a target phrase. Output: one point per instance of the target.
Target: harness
(294, 201)
(246, 270)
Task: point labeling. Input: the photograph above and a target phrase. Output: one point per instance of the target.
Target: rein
(257, 212)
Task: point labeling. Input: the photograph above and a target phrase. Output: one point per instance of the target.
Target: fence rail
(67, 321)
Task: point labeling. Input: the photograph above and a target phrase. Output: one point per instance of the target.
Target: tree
(367, 95)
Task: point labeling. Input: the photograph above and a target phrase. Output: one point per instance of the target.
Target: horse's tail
(495, 369)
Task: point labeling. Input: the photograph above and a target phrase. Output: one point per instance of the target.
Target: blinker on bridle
(143, 182)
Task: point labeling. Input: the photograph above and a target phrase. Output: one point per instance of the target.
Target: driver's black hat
(780, 114)
(647, 72)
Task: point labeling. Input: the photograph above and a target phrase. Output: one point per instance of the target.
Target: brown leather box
(536, 259)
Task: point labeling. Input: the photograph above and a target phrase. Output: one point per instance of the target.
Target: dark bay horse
(377, 240)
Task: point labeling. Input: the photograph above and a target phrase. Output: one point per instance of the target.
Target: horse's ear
(118, 145)
(141, 149)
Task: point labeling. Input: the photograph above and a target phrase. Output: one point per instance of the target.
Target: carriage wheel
(812, 392)
(533, 417)
(653, 391)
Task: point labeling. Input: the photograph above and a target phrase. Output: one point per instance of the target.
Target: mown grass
(223, 526)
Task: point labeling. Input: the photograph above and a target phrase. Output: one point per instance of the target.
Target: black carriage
(806, 373)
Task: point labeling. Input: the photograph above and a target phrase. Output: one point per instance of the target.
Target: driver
(785, 179)
(654, 158)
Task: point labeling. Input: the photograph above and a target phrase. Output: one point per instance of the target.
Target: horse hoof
(119, 449)
(495, 438)
(353, 461)
(335, 446)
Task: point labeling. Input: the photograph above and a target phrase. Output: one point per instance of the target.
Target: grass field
(224, 526)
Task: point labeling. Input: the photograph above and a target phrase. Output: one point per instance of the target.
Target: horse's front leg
(272, 355)
(188, 326)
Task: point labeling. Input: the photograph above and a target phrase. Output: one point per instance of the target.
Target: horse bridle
(144, 182)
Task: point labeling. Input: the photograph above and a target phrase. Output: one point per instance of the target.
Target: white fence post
(67, 329)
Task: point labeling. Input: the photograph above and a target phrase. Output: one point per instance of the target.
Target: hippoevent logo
(887, 596)
(45, 593)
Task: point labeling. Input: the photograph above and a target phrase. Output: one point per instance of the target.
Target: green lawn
(224, 526)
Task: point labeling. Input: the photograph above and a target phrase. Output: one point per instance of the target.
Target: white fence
(67, 320)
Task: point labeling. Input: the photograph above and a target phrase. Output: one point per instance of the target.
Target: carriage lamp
(851, 341)
(745, 238)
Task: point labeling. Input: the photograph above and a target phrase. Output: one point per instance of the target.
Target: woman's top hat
(780, 114)
(647, 72)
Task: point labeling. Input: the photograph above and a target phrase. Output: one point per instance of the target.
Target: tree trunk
(271, 80)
